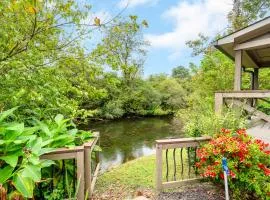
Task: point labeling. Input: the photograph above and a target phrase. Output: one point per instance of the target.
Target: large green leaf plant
(21, 147)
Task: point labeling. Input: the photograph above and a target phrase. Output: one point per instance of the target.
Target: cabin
(249, 48)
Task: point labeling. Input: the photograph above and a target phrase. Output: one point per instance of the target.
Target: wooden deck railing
(85, 173)
(177, 157)
(232, 96)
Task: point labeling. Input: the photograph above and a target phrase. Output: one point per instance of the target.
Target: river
(127, 139)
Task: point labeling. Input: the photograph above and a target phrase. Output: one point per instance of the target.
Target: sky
(171, 24)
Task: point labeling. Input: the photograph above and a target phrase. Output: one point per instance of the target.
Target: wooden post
(256, 79)
(80, 175)
(255, 85)
(88, 171)
(159, 167)
(238, 70)
(218, 103)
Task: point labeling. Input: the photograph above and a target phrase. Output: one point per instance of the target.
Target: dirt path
(201, 191)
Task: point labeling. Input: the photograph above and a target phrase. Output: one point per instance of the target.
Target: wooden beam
(250, 94)
(218, 103)
(80, 175)
(158, 167)
(238, 70)
(250, 60)
(183, 140)
(251, 110)
(254, 44)
(256, 79)
(94, 180)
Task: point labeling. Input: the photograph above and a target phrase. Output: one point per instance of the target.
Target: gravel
(201, 191)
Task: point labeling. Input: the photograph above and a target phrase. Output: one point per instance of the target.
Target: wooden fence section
(190, 146)
(243, 94)
(86, 176)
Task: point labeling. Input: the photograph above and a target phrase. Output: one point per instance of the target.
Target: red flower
(261, 166)
(266, 171)
(223, 130)
(241, 132)
(267, 152)
(232, 174)
(221, 175)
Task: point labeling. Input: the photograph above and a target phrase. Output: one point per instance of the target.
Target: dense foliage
(21, 147)
(45, 68)
(248, 162)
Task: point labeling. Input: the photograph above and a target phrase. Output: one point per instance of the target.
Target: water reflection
(125, 140)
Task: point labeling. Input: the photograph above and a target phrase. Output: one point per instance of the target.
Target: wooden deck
(260, 130)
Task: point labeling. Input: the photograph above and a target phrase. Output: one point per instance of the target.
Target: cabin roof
(253, 40)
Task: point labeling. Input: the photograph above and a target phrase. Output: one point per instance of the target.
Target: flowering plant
(248, 162)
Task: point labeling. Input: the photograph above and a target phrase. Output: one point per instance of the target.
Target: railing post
(80, 175)
(218, 103)
(158, 167)
(88, 171)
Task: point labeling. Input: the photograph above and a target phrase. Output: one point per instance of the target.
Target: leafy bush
(205, 122)
(248, 162)
(21, 147)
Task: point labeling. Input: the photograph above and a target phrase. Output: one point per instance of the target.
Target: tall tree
(245, 12)
(123, 48)
(37, 33)
(180, 72)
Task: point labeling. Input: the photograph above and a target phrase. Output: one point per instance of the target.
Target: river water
(127, 139)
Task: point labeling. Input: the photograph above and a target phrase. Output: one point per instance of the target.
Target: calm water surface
(127, 139)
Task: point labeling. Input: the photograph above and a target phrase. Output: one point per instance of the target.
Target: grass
(127, 180)
(135, 178)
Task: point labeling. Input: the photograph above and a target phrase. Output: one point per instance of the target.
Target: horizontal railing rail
(84, 172)
(233, 96)
(177, 156)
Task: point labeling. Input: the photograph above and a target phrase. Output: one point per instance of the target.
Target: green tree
(123, 48)
(180, 72)
(245, 12)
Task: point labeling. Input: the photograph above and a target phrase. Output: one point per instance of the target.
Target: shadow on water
(127, 139)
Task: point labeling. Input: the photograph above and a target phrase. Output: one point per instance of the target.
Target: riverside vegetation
(48, 75)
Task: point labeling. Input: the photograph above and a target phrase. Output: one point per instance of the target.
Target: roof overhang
(254, 40)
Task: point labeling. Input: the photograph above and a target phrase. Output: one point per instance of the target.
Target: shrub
(248, 162)
(208, 123)
(21, 147)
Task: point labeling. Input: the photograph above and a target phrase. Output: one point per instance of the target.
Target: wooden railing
(232, 96)
(177, 156)
(85, 173)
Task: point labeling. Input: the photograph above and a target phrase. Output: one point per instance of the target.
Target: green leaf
(35, 145)
(24, 185)
(33, 172)
(58, 118)
(7, 113)
(6, 173)
(73, 131)
(12, 160)
(45, 150)
(18, 127)
(45, 129)
(34, 160)
(46, 163)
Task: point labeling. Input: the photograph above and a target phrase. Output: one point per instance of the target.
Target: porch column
(256, 79)
(238, 70)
